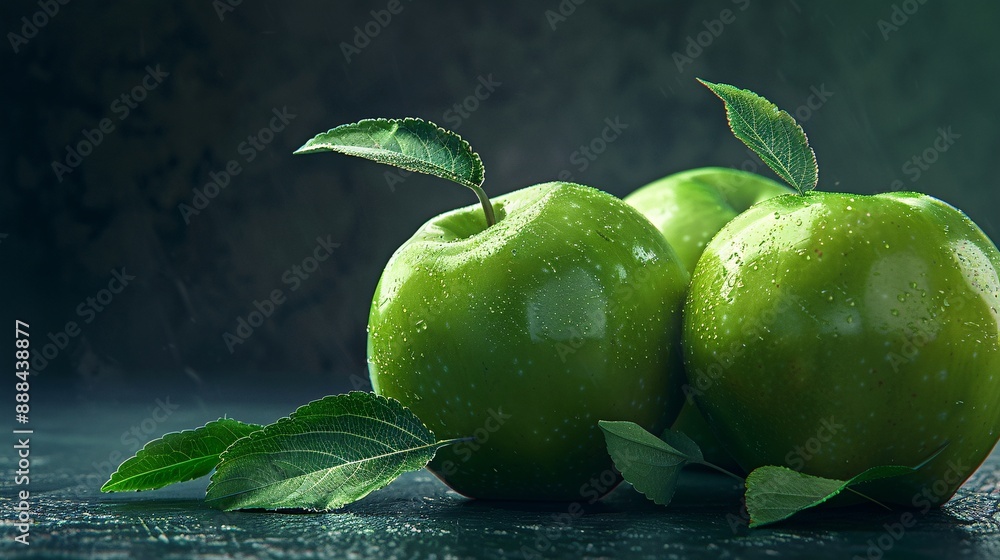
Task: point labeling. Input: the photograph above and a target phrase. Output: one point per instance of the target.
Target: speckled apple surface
(524, 334)
(832, 333)
(689, 208)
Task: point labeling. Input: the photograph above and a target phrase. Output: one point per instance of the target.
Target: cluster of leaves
(653, 464)
(338, 449)
(326, 454)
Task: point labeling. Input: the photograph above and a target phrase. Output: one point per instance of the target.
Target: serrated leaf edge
(844, 485)
(311, 147)
(293, 417)
(784, 173)
(107, 486)
(674, 469)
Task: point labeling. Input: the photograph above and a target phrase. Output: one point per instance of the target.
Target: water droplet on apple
(895, 312)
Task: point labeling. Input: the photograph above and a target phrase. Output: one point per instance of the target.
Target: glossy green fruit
(524, 334)
(689, 208)
(831, 333)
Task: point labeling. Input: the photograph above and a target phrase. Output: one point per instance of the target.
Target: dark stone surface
(418, 517)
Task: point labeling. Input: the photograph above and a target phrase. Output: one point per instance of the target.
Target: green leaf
(648, 463)
(771, 133)
(684, 444)
(326, 454)
(777, 493)
(409, 143)
(177, 456)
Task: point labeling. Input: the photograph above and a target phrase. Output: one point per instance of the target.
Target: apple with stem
(521, 322)
(689, 208)
(833, 332)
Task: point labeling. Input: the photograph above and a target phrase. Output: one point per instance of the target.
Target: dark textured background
(119, 208)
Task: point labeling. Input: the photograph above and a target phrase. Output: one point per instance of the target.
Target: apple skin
(524, 334)
(689, 208)
(832, 333)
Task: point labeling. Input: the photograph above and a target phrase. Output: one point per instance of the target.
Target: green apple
(517, 325)
(689, 208)
(835, 332)
(525, 333)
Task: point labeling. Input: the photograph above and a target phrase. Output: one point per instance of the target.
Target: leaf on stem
(648, 463)
(771, 133)
(410, 143)
(777, 493)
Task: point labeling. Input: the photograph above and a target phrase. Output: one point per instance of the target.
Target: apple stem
(487, 206)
